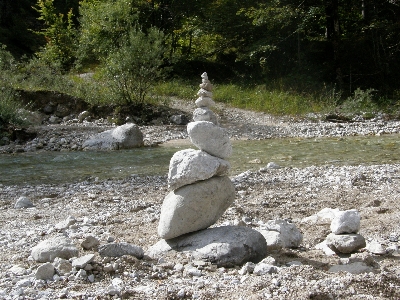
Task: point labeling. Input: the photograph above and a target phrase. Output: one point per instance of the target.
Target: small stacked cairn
(201, 191)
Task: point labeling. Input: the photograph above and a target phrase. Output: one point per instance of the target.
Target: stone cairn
(201, 191)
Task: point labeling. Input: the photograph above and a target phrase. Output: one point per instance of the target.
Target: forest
(321, 49)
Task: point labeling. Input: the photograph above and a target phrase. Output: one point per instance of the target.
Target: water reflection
(63, 167)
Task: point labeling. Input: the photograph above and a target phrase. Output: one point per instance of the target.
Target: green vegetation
(9, 106)
(281, 57)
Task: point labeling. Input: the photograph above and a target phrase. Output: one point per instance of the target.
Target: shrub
(361, 101)
(131, 69)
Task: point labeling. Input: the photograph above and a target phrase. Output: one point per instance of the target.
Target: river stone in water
(126, 136)
(225, 246)
(195, 206)
(210, 138)
(189, 165)
(48, 250)
(345, 243)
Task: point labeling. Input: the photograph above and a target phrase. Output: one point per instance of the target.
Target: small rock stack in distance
(201, 191)
(344, 237)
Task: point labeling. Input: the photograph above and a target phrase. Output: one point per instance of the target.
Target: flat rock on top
(346, 222)
(224, 246)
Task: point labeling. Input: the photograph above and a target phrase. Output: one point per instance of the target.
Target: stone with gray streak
(346, 222)
(126, 136)
(120, 249)
(210, 138)
(345, 243)
(48, 250)
(223, 246)
(194, 207)
(189, 165)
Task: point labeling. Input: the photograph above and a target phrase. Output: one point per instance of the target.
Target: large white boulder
(126, 136)
(346, 222)
(189, 165)
(210, 138)
(223, 246)
(195, 206)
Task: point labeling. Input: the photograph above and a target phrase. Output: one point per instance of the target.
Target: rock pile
(344, 237)
(202, 191)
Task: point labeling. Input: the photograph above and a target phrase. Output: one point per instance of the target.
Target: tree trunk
(333, 37)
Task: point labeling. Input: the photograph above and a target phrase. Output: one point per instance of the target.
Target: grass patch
(176, 88)
(10, 108)
(257, 98)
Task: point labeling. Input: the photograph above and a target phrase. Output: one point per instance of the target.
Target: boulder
(23, 202)
(375, 247)
(345, 243)
(189, 165)
(195, 206)
(346, 222)
(205, 114)
(126, 136)
(281, 234)
(45, 272)
(224, 246)
(120, 249)
(48, 250)
(210, 138)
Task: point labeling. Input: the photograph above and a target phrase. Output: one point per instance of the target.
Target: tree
(59, 32)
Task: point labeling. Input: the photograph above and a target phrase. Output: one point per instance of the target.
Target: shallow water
(65, 167)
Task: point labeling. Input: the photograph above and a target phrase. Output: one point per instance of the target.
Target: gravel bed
(128, 211)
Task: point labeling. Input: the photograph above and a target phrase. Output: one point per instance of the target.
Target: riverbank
(128, 210)
(241, 124)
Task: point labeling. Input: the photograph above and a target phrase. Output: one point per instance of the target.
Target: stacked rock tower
(201, 191)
